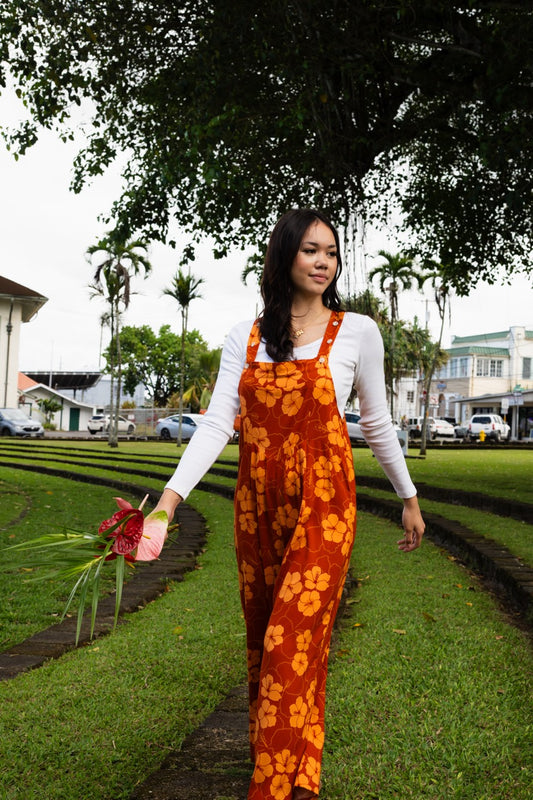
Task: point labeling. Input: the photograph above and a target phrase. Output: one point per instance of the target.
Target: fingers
(411, 540)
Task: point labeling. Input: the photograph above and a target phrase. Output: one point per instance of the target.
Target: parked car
(461, 431)
(436, 428)
(99, 423)
(14, 422)
(168, 427)
(354, 429)
(493, 426)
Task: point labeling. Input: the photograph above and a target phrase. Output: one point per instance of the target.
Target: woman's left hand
(413, 525)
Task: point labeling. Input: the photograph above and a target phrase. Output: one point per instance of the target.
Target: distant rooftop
(484, 337)
(65, 380)
(477, 351)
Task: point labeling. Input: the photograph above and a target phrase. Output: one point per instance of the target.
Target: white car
(168, 427)
(354, 429)
(99, 423)
(436, 428)
(492, 425)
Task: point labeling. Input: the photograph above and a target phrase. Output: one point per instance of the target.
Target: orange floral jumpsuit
(294, 532)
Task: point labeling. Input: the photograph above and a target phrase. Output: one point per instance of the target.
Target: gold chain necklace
(298, 332)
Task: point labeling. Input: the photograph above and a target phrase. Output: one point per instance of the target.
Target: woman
(291, 373)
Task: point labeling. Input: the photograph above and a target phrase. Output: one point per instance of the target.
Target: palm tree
(112, 281)
(397, 273)
(199, 393)
(184, 290)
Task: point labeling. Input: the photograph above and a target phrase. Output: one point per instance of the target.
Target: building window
(410, 396)
(526, 367)
(489, 367)
(453, 367)
(463, 367)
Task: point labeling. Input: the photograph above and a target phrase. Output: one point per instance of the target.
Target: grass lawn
(428, 693)
(489, 470)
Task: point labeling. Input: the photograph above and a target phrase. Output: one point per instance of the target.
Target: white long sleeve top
(356, 359)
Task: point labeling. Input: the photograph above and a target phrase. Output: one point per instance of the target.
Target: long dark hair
(276, 286)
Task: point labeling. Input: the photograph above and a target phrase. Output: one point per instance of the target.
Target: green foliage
(349, 104)
(49, 406)
(154, 360)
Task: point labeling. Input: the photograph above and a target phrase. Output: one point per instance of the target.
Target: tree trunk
(182, 370)
(113, 421)
(429, 378)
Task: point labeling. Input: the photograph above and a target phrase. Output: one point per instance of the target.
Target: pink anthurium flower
(125, 503)
(153, 536)
(126, 527)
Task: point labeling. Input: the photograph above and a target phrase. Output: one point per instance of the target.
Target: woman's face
(315, 264)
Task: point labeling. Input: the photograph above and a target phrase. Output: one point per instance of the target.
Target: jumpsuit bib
(294, 532)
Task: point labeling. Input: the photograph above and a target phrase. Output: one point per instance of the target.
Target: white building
(488, 372)
(72, 416)
(18, 304)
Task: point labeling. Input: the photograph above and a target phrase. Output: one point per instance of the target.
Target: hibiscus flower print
(290, 444)
(280, 787)
(266, 714)
(312, 770)
(348, 541)
(298, 712)
(268, 396)
(292, 585)
(273, 636)
(257, 437)
(292, 483)
(299, 538)
(247, 522)
(270, 689)
(263, 768)
(303, 640)
(324, 391)
(324, 489)
(349, 514)
(300, 662)
(285, 761)
(286, 517)
(316, 579)
(322, 467)
(292, 402)
(334, 529)
(335, 436)
(264, 373)
(288, 377)
(315, 735)
(309, 603)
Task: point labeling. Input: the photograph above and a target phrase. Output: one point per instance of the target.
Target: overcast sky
(46, 229)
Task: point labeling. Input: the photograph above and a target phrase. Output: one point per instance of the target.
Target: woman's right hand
(169, 501)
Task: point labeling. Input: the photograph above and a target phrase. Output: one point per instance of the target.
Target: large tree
(154, 359)
(230, 112)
